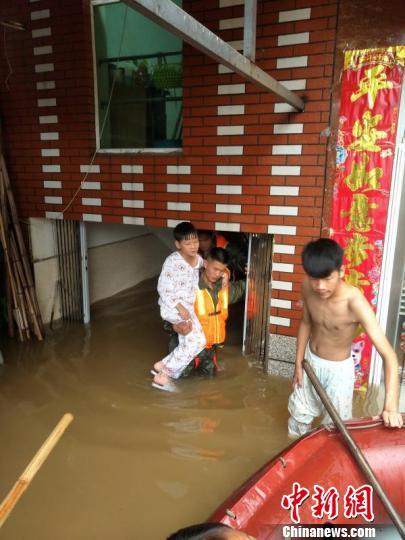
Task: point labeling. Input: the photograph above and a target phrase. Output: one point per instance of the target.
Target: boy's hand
(183, 328)
(392, 419)
(225, 280)
(297, 379)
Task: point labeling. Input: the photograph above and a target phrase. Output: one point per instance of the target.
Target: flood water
(136, 463)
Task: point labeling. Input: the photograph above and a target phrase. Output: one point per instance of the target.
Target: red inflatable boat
(316, 481)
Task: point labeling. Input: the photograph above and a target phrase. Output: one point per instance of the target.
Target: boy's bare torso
(333, 323)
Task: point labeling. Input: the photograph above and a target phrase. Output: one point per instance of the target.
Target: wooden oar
(355, 450)
(35, 464)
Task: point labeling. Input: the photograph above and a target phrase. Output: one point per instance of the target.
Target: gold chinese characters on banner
(370, 97)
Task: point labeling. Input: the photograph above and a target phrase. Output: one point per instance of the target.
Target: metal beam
(249, 29)
(167, 14)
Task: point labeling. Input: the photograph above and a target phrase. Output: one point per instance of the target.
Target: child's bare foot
(158, 366)
(161, 378)
(161, 381)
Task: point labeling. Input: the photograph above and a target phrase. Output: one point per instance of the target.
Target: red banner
(371, 92)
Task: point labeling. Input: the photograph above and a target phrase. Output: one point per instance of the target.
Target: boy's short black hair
(202, 531)
(184, 231)
(218, 254)
(322, 257)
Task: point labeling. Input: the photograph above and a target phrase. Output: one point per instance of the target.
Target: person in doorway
(332, 311)
(177, 288)
(211, 307)
(208, 239)
(209, 531)
(237, 255)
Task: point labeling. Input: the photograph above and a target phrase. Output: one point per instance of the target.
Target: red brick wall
(248, 167)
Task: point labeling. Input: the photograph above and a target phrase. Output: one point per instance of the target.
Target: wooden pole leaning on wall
(25, 309)
(33, 467)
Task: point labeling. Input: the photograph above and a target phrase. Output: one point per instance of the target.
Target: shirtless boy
(332, 311)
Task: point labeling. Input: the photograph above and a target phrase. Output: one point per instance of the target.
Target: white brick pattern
(130, 203)
(181, 206)
(281, 285)
(228, 208)
(279, 321)
(284, 248)
(227, 189)
(230, 130)
(90, 201)
(285, 129)
(90, 169)
(178, 188)
(52, 184)
(51, 168)
(225, 110)
(230, 169)
(283, 210)
(277, 303)
(229, 150)
(132, 186)
(292, 62)
(283, 267)
(98, 218)
(231, 227)
(129, 220)
(294, 15)
(42, 14)
(293, 39)
(53, 200)
(286, 150)
(132, 169)
(286, 191)
(282, 229)
(91, 185)
(41, 32)
(227, 24)
(286, 170)
(178, 169)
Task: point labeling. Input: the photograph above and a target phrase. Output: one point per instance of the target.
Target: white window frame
(376, 363)
(96, 108)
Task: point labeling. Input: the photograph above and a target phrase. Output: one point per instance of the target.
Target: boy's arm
(304, 332)
(183, 312)
(365, 315)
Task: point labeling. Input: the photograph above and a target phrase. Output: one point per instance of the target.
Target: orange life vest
(221, 241)
(212, 320)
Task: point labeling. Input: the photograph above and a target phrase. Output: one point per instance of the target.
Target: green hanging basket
(167, 75)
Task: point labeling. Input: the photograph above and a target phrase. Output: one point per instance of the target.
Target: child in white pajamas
(177, 288)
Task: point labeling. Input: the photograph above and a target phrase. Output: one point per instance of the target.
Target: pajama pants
(188, 348)
(337, 378)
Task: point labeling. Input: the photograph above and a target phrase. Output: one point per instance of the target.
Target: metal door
(70, 272)
(257, 303)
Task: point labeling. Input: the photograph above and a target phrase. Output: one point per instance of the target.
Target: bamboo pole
(35, 464)
(13, 287)
(10, 324)
(20, 239)
(20, 272)
(355, 450)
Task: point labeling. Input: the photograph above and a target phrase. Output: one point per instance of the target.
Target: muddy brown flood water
(136, 463)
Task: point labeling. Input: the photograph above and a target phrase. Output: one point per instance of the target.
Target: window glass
(139, 84)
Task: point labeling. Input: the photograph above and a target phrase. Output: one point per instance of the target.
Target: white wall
(121, 256)
(45, 261)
